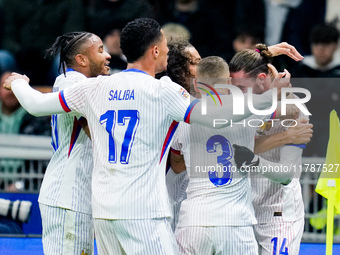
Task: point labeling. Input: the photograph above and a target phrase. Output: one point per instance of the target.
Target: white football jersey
(223, 197)
(131, 118)
(67, 181)
(275, 202)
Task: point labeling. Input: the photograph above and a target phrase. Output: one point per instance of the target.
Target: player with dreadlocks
(65, 194)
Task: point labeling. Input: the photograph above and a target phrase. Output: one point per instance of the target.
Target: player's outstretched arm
(35, 102)
(282, 172)
(285, 49)
(300, 134)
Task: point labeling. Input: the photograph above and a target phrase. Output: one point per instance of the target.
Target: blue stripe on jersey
(55, 135)
(189, 110)
(273, 116)
(168, 138)
(70, 69)
(134, 70)
(63, 101)
(302, 145)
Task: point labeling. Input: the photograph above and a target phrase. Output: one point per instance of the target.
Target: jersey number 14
(283, 249)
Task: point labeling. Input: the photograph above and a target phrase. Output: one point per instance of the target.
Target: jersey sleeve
(74, 97)
(285, 170)
(175, 98)
(35, 102)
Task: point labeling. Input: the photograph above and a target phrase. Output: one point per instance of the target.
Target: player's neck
(143, 66)
(84, 70)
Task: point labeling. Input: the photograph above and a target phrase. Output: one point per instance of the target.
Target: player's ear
(261, 78)
(194, 81)
(261, 82)
(81, 59)
(155, 51)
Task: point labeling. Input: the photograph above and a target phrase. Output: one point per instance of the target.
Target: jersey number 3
(110, 118)
(222, 160)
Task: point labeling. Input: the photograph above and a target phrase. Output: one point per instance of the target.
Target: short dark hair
(69, 45)
(252, 62)
(137, 36)
(324, 33)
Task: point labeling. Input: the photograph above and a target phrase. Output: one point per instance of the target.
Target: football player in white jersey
(131, 119)
(217, 217)
(65, 194)
(182, 61)
(278, 207)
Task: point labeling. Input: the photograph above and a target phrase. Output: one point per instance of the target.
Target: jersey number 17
(111, 118)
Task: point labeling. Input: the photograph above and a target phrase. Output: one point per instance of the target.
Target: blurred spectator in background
(31, 26)
(112, 46)
(176, 31)
(1, 23)
(248, 21)
(7, 60)
(16, 120)
(276, 12)
(323, 62)
(281, 20)
(105, 15)
(301, 21)
(325, 93)
(210, 27)
(246, 40)
(106, 18)
(305, 17)
(333, 16)
(11, 113)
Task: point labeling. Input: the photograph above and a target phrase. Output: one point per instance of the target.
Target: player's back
(67, 181)
(130, 115)
(222, 197)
